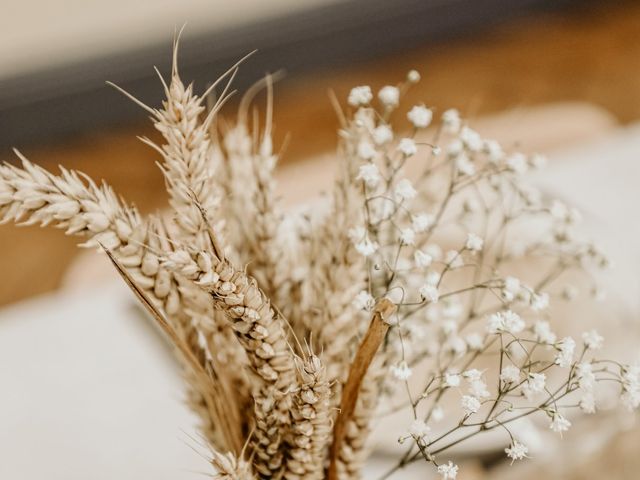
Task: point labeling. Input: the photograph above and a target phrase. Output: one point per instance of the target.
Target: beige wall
(36, 34)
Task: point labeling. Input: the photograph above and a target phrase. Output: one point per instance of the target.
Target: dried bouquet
(422, 284)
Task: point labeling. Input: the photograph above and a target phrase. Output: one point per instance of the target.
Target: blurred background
(550, 74)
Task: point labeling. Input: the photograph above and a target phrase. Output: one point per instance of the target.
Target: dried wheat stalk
(190, 171)
(261, 331)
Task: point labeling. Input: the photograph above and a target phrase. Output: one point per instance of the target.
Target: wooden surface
(589, 54)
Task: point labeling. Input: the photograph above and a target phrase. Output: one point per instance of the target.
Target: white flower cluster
(446, 283)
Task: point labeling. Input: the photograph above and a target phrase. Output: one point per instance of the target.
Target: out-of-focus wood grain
(590, 54)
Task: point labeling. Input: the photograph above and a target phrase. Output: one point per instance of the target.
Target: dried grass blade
(364, 356)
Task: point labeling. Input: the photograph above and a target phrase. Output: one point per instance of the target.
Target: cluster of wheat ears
(294, 326)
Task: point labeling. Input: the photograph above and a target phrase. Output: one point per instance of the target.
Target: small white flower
(418, 429)
(516, 451)
(407, 236)
(402, 371)
(361, 95)
(588, 403)
(389, 96)
(451, 380)
(524, 295)
(517, 163)
(404, 190)
(421, 259)
(451, 121)
(511, 289)
(630, 397)
(366, 247)
(456, 345)
(455, 148)
(366, 150)
(543, 333)
(407, 147)
(470, 404)
(535, 384)
(433, 278)
(630, 400)
(449, 471)
(449, 327)
(429, 293)
(593, 340)
(382, 134)
(494, 151)
(464, 165)
(539, 301)
(437, 414)
(585, 375)
(421, 222)
(564, 357)
(505, 322)
(475, 341)
(420, 116)
(478, 388)
(559, 423)
(471, 139)
(364, 301)
(413, 76)
(369, 174)
(474, 242)
(510, 374)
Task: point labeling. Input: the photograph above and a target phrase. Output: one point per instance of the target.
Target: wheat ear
(312, 423)
(265, 254)
(337, 274)
(73, 202)
(190, 173)
(262, 333)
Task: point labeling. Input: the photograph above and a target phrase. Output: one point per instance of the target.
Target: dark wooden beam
(73, 98)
